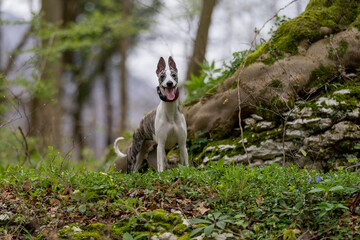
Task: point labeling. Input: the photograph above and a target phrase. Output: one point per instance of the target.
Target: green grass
(265, 203)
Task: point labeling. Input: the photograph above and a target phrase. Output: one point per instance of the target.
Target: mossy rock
(334, 15)
(124, 226)
(87, 235)
(180, 228)
(185, 237)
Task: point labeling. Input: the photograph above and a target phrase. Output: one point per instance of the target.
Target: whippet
(164, 126)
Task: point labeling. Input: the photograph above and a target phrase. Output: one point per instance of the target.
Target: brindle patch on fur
(145, 131)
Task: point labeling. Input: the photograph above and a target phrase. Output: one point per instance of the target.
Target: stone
(325, 110)
(249, 121)
(213, 158)
(222, 236)
(312, 123)
(327, 101)
(294, 134)
(267, 150)
(354, 114)
(257, 117)
(256, 163)
(342, 91)
(165, 236)
(276, 160)
(225, 147)
(341, 130)
(296, 113)
(261, 126)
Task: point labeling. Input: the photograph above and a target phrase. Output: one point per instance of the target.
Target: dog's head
(168, 80)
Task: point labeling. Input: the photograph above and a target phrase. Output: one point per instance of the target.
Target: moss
(356, 23)
(339, 52)
(251, 137)
(234, 84)
(334, 14)
(87, 235)
(126, 225)
(320, 76)
(95, 227)
(212, 90)
(68, 231)
(185, 237)
(345, 146)
(276, 84)
(179, 229)
(174, 218)
(159, 215)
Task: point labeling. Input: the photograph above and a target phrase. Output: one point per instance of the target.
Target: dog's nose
(169, 84)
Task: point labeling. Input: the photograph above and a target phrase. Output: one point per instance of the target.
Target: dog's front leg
(161, 156)
(184, 155)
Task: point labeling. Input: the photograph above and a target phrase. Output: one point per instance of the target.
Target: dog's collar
(164, 98)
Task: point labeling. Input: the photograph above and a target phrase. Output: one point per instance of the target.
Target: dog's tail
(116, 148)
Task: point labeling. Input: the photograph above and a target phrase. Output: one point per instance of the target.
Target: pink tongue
(170, 93)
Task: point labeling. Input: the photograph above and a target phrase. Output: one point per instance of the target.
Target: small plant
(210, 76)
(213, 221)
(128, 236)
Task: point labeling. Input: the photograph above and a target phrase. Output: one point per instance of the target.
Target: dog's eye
(173, 75)
(162, 76)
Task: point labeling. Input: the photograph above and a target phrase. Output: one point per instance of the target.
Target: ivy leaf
(199, 221)
(208, 230)
(196, 231)
(127, 236)
(216, 214)
(221, 224)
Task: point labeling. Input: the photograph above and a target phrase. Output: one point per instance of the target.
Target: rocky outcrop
(322, 132)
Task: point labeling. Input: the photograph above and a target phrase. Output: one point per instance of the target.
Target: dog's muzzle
(171, 94)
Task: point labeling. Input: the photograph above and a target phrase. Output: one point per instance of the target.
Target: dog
(160, 130)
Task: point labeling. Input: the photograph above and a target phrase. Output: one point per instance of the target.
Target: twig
(27, 155)
(13, 55)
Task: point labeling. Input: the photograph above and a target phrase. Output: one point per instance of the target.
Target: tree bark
(46, 114)
(124, 45)
(108, 108)
(200, 43)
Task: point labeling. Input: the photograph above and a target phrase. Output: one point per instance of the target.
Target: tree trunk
(200, 44)
(124, 45)
(46, 114)
(108, 108)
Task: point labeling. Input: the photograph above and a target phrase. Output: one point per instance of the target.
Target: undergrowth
(257, 203)
(210, 77)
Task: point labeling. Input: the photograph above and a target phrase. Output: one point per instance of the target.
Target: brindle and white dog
(164, 126)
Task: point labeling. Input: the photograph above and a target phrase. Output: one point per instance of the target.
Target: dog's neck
(170, 109)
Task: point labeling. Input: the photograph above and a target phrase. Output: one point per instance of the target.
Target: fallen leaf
(203, 210)
(226, 101)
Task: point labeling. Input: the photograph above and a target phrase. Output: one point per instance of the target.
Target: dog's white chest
(171, 130)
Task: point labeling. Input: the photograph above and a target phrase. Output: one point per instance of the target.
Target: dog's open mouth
(170, 93)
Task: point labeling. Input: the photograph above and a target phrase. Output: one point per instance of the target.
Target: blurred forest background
(76, 74)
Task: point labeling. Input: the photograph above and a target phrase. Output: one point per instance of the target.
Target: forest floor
(231, 201)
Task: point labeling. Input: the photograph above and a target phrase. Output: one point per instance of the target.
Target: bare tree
(46, 114)
(124, 45)
(200, 43)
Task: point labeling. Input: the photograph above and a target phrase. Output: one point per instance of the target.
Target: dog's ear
(172, 64)
(161, 66)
